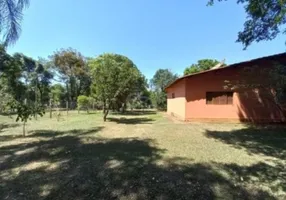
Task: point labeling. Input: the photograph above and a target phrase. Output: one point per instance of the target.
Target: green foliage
(159, 100)
(58, 93)
(114, 78)
(25, 112)
(24, 82)
(160, 80)
(36, 77)
(265, 20)
(83, 102)
(10, 19)
(202, 65)
(73, 71)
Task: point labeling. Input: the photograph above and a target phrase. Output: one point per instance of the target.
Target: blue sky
(153, 33)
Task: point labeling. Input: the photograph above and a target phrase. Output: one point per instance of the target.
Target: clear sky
(153, 33)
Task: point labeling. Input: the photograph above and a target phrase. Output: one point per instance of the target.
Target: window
(219, 98)
(173, 95)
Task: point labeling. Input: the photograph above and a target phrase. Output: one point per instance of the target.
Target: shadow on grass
(274, 176)
(8, 125)
(123, 120)
(51, 133)
(5, 127)
(136, 112)
(269, 140)
(71, 167)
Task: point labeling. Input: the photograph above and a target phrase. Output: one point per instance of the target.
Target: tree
(58, 94)
(10, 19)
(202, 65)
(10, 73)
(22, 76)
(83, 102)
(160, 80)
(37, 78)
(72, 67)
(24, 112)
(114, 79)
(265, 20)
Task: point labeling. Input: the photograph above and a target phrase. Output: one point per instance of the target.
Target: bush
(83, 102)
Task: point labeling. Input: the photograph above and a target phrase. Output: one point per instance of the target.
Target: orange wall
(247, 105)
(177, 106)
(196, 106)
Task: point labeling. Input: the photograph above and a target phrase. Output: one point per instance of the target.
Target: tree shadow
(123, 120)
(51, 133)
(259, 106)
(70, 167)
(5, 127)
(8, 125)
(261, 173)
(135, 113)
(267, 140)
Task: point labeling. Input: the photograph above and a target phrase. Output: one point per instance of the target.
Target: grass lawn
(140, 156)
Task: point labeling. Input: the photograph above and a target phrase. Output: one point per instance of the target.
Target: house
(204, 96)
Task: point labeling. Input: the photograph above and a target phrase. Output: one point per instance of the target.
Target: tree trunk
(104, 107)
(58, 114)
(123, 107)
(51, 110)
(67, 107)
(36, 100)
(24, 128)
(105, 115)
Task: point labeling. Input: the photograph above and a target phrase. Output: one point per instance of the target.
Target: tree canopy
(71, 67)
(265, 20)
(201, 65)
(114, 78)
(24, 85)
(160, 80)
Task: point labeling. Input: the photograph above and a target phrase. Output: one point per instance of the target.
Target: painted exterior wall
(248, 105)
(177, 106)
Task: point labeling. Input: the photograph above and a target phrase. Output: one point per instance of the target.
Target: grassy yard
(140, 156)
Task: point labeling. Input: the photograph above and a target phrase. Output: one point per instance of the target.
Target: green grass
(140, 155)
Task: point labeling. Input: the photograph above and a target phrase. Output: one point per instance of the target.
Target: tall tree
(20, 76)
(160, 80)
(201, 65)
(114, 79)
(71, 66)
(36, 77)
(10, 19)
(10, 73)
(265, 20)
